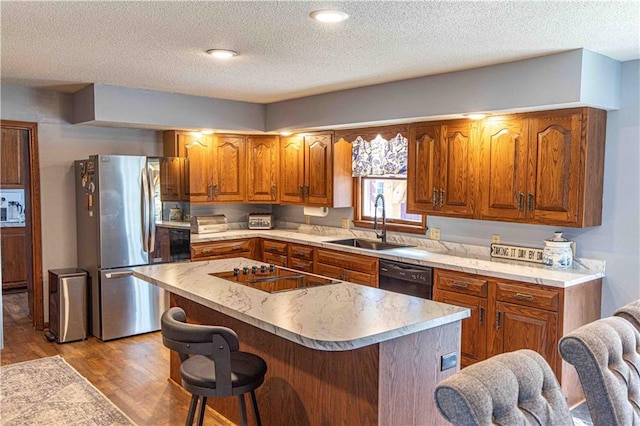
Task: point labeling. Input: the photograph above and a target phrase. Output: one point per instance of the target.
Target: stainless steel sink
(367, 244)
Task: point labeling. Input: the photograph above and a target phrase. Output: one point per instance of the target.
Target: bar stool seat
(212, 364)
(246, 370)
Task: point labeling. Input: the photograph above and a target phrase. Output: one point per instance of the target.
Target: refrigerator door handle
(152, 213)
(145, 210)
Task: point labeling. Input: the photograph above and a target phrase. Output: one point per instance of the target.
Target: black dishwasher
(412, 280)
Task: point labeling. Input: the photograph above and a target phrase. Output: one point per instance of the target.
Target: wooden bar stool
(218, 368)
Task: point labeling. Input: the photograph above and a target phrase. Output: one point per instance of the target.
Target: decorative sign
(526, 254)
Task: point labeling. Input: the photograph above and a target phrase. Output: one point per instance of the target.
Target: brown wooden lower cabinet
(14, 258)
(274, 252)
(350, 267)
(387, 383)
(162, 248)
(223, 249)
(510, 315)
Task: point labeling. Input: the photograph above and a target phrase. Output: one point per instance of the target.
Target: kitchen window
(380, 167)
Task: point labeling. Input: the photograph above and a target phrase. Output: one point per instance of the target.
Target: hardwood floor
(132, 372)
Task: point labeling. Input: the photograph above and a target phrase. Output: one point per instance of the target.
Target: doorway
(21, 170)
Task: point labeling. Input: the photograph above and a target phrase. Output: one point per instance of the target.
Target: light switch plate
(345, 223)
(495, 239)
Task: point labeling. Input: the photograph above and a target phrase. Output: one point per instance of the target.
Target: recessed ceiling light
(329, 15)
(222, 53)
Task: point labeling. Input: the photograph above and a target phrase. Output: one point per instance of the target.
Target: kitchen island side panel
(303, 386)
(387, 383)
(410, 371)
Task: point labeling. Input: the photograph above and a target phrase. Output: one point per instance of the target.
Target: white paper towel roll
(316, 211)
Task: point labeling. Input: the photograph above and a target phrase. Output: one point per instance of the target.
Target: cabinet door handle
(499, 320)
(301, 190)
(522, 296)
(530, 201)
(481, 315)
(306, 191)
(273, 190)
(207, 250)
(215, 190)
(441, 197)
(520, 201)
(298, 253)
(434, 197)
(459, 284)
(210, 191)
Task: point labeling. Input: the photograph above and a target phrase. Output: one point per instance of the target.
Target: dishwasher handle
(395, 269)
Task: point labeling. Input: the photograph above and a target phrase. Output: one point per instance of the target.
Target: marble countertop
(437, 254)
(173, 224)
(332, 317)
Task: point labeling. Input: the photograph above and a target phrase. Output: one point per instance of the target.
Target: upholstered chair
(514, 388)
(630, 312)
(605, 355)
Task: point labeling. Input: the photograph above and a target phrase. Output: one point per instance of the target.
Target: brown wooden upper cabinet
(216, 166)
(11, 156)
(198, 149)
(441, 168)
(172, 181)
(315, 171)
(544, 168)
(263, 168)
(229, 168)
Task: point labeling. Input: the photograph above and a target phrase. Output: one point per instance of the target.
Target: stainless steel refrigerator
(115, 212)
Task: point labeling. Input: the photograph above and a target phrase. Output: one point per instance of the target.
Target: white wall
(60, 143)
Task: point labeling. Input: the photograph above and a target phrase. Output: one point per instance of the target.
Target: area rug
(48, 391)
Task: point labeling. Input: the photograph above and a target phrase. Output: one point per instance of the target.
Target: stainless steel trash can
(67, 305)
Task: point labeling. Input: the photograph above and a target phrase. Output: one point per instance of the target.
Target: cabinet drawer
(461, 283)
(275, 259)
(528, 295)
(349, 261)
(361, 278)
(201, 251)
(301, 264)
(330, 271)
(301, 252)
(274, 247)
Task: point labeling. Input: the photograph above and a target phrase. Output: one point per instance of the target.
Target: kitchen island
(339, 353)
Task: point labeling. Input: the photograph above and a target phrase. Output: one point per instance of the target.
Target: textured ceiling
(283, 53)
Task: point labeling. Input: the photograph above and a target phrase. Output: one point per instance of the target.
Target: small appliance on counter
(260, 221)
(203, 224)
(557, 252)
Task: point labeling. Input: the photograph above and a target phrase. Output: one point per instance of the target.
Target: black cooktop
(272, 278)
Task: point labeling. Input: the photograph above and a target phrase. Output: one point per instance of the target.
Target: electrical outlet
(307, 219)
(345, 223)
(434, 233)
(495, 239)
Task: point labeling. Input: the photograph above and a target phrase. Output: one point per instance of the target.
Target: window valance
(379, 156)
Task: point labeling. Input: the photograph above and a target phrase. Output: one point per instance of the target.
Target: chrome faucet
(383, 234)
